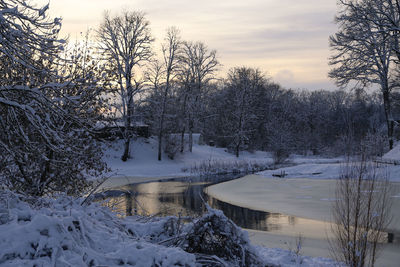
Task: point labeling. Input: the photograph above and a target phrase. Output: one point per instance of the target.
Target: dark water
(186, 198)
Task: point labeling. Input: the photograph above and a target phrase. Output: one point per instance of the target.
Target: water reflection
(159, 198)
(253, 219)
(186, 199)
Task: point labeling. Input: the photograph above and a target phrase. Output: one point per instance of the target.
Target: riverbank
(144, 162)
(143, 165)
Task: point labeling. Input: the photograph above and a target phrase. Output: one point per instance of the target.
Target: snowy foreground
(62, 232)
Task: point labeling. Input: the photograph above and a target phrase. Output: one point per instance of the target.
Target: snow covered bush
(171, 145)
(62, 232)
(46, 118)
(217, 166)
(215, 234)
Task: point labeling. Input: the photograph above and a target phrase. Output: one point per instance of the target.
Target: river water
(186, 196)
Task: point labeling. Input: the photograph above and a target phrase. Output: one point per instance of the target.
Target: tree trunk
(125, 156)
(190, 134)
(160, 135)
(183, 124)
(388, 115)
(128, 122)
(183, 139)
(162, 116)
(390, 131)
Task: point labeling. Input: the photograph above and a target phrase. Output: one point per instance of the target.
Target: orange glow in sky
(287, 39)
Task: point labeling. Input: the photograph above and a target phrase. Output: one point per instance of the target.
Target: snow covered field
(143, 165)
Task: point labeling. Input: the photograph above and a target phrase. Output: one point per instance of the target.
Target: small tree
(171, 52)
(361, 213)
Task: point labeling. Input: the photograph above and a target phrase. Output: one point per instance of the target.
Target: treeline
(248, 111)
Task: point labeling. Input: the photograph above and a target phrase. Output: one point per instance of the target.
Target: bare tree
(125, 40)
(385, 15)
(198, 68)
(171, 50)
(243, 84)
(364, 51)
(361, 213)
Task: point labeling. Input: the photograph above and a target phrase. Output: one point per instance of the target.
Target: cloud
(284, 76)
(288, 35)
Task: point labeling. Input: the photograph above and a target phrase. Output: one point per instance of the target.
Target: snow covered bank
(324, 171)
(144, 164)
(310, 170)
(61, 232)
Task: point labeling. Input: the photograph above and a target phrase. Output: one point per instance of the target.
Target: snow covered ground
(393, 155)
(144, 166)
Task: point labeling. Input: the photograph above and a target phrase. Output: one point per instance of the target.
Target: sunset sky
(287, 39)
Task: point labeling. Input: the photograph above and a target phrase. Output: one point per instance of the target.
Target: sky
(286, 39)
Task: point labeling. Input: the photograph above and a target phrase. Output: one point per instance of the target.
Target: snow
(393, 155)
(287, 258)
(144, 166)
(62, 232)
(323, 170)
(309, 170)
